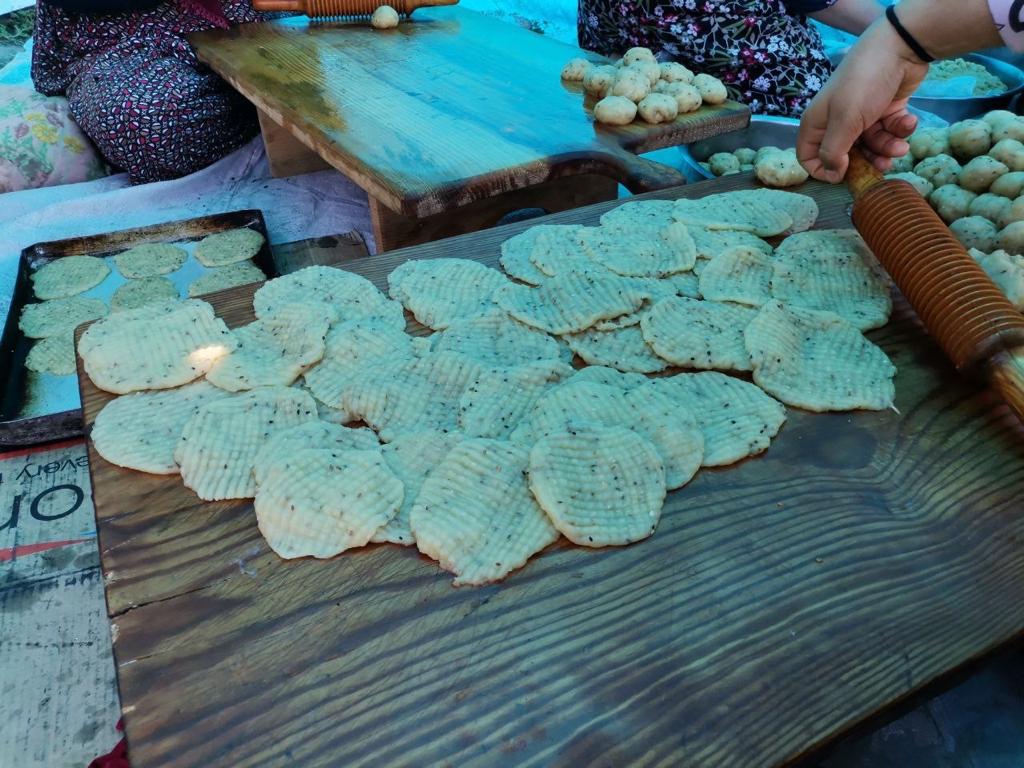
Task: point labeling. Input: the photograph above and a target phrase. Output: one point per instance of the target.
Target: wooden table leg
(287, 155)
(392, 230)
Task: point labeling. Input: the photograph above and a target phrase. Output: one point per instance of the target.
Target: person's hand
(866, 100)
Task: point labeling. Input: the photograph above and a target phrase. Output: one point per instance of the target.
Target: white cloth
(6, 6)
(18, 71)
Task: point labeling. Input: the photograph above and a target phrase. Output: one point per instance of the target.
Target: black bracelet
(916, 47)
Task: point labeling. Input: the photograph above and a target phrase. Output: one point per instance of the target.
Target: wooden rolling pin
(322, 9)
(974, 323)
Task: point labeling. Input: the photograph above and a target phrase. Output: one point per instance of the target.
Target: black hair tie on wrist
(916, 47)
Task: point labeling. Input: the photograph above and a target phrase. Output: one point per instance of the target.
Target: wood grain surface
(449, 107)
(781, 601)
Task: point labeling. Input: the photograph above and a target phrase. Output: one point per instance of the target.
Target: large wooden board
(450, 107)
(781, 601)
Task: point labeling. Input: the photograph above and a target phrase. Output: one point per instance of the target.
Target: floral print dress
(765, 51)
(136, 88)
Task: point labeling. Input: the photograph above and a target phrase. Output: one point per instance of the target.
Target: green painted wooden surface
(449, 107)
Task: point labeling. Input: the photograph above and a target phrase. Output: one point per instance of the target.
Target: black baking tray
(57, 413)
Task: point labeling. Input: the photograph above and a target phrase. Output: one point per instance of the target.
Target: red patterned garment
(765, 51)
(136, 88)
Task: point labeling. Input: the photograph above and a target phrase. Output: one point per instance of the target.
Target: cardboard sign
(56, 667)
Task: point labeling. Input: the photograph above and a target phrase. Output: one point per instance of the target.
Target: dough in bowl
(780, 169)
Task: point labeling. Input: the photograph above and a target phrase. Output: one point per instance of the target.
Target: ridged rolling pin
(323, 9)
(975, 324)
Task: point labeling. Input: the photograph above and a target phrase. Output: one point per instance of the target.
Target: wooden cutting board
(450, 107)
(780, 602)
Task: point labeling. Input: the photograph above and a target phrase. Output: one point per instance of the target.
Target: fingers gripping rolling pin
(317, 9)
(974, 323)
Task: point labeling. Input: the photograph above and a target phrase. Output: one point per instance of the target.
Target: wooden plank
(449, 108)
(286, 155)
(392, 230)
(781, 601)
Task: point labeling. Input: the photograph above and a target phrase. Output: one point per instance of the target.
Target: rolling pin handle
(861, 174)
(278, 5)
(1006, 373)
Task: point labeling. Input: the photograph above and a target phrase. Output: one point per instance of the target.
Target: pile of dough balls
(1006, 271)
(972, 173)
(637, 84)
(773, 167)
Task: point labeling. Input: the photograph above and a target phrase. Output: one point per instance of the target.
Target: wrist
(947, 28)
(889, 39)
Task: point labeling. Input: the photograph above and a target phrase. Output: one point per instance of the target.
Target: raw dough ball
(780, 169)
(997, 116)
(745, 155)
(615, 110)
(746, 167)
(975, 232)
(385, 17)
(575, 70)
(630, 83)
(923, 186)
(637, 54)
(659, 108)
(979, 174)
(687, 97)
(1008, 129)
(650, 69)
(674, 72)
(598, 80)
(1008, 185)
(1011, 239)
(722, 163)
(1016, 212)
(970, 138)
(903, 164)
(712, 90)
(940, 170)
(951, 202)
(928, 142)
(765, 151)
(1010, 153)
(993, 207)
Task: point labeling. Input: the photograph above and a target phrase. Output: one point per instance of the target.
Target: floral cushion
(40, 144)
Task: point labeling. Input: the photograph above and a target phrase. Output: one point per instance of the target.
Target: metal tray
(954, 108)
(763, 131)
(37, 408)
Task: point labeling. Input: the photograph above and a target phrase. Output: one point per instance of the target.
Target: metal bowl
(762, 132)
(954, 108)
